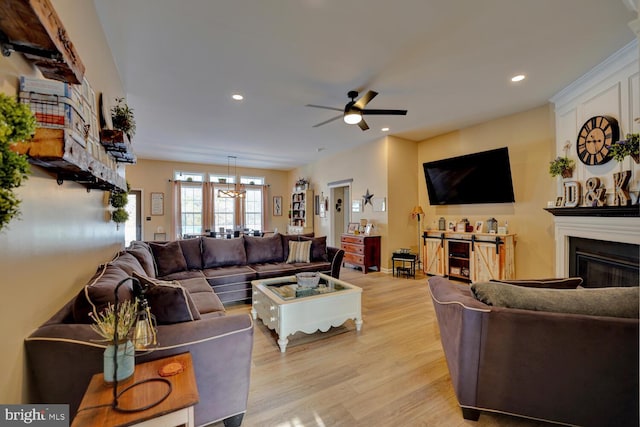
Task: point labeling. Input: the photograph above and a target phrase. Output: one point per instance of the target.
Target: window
(191, 209)
(253, 208)
(224, 210)
(191, 203)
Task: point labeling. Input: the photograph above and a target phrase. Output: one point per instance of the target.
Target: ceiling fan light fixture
(352, 117)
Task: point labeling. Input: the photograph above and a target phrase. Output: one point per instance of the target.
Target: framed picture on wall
(277, 205)
(157, 203)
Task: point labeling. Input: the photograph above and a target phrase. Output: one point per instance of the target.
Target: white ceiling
(447, 62)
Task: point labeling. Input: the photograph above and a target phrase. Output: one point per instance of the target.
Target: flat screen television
(483, 177)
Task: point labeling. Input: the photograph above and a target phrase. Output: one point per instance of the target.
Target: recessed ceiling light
(385, 129)
(518, 78)
(237, 97)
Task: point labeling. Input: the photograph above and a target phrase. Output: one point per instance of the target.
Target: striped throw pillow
(299, 251)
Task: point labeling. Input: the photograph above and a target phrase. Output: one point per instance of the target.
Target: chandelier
(231, 193)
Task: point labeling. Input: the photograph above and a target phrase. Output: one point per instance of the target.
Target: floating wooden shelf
(33, 28)
(59, 153)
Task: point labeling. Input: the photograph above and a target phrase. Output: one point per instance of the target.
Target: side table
(175, 410)
(407, 264)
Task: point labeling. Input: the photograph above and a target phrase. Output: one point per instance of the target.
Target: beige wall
(54, 248)
(530, 138)
(152, 176)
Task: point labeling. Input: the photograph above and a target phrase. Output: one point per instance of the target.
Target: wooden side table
(175, 410)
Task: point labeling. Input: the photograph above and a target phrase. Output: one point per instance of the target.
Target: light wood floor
(391, 373)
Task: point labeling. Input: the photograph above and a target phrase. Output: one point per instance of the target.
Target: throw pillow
(169, 301)
(566, 283)
(318, 248)
(191, 249)
(263, 249)
(299, 252)
(612, 302)
(100, 292)
(145, 258)
(221, 252)
(169, 258)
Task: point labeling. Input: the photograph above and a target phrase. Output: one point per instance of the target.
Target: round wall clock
(595, 138)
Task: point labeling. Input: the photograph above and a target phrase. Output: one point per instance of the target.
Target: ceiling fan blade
(363, 125)
(328, 121)
(366, 98)
(386, 112)
(326, 108)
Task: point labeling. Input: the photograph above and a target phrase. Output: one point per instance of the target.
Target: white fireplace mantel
(610, 229)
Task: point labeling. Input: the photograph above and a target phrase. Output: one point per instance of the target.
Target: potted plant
(17, 124)
(563, 166)
(122, 118)
(105, 326)
(626, 147)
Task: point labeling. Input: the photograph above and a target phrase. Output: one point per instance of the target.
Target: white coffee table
(275, 302)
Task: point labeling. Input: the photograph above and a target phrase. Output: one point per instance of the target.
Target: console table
(175, 410)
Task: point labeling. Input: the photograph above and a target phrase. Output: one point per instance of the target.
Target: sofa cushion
(100, 292)
(273, 269)
(183, 275)
(202, 295)
(168, 257)
(318, 248)
(143, 254)
(263, 249)
(192, 251)
(169, 301)
(612, 302)
(565, 283)
(128, 263)
(299, 252)
(221, 252)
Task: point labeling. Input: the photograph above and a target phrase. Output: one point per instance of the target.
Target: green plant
(17, 124)
(562, 165)
(626, 147)
(119, 199)
(106, 320)
(123, 119)
(119, 216)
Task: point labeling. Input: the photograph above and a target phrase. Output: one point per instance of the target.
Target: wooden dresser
(361, 251)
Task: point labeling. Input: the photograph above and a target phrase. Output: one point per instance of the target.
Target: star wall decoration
(367, 198)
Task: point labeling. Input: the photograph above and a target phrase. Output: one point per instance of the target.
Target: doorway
(340, 208)
(133, 226)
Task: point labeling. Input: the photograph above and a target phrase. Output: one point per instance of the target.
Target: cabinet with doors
(301, 212)
(472, 257)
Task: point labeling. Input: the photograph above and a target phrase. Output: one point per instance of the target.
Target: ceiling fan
(354, 110)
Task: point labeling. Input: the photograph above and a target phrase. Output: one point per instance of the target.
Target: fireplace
(604, 263)
(606, 231)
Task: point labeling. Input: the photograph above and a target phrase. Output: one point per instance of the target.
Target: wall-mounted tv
(483, 177)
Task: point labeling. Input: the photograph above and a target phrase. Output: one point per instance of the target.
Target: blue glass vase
(126, 361)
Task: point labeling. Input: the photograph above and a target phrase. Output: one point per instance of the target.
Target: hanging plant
(122, 118)
(17, 124)
(626, 147)
(119, 216)
(119, 199)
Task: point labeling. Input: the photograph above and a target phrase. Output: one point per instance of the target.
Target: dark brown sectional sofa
(229, 265)
(188, 282)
